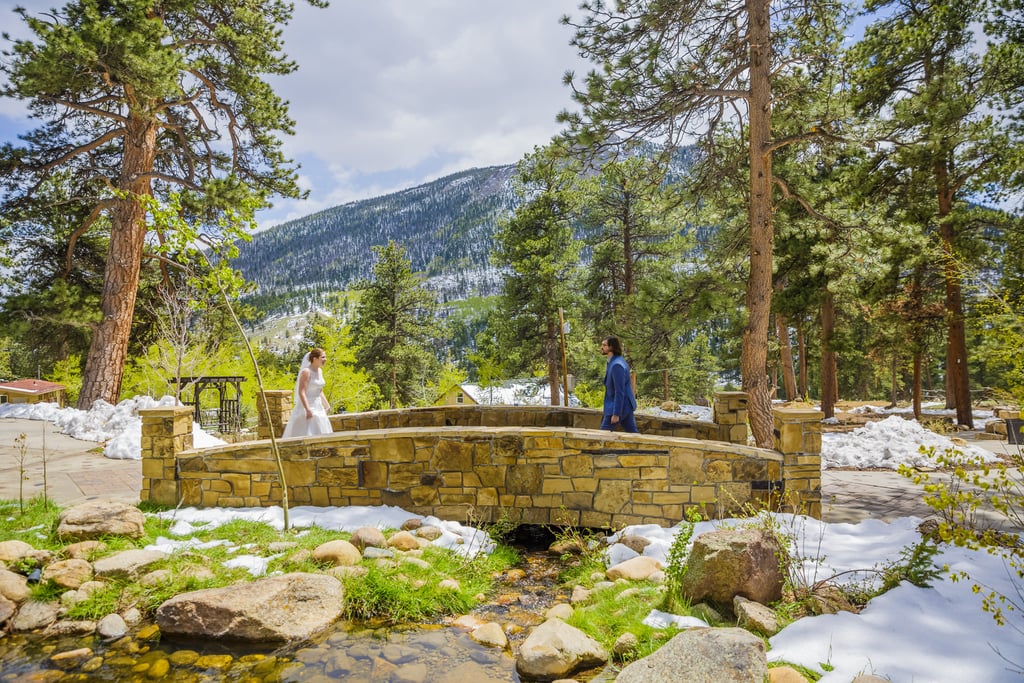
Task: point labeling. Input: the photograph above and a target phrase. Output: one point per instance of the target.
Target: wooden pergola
(226, 416)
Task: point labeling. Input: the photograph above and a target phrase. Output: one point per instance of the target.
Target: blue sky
(393, 93)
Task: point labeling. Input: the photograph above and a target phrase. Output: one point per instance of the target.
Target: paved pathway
(77, 471)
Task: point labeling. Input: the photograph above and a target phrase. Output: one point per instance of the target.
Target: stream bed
(354, 652)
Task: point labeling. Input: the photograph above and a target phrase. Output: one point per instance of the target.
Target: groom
(619, 401)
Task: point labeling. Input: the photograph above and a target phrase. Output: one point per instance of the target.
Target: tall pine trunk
(801, 345)
(786, 357)
(108, 351)
(829, 384)
(754, 353)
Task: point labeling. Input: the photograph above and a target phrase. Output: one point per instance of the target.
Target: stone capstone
(289, 607)
(556, 650)
(702, 655)
(729, 562)
(101, 518)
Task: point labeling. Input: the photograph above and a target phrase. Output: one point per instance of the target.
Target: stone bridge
(530, 465)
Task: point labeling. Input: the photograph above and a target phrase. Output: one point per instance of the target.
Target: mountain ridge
(447, 227)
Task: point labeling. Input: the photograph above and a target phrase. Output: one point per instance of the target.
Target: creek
(354, 652)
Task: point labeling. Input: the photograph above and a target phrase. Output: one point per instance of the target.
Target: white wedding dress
(298, 425)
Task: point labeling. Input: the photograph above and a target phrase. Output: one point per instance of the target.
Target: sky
(937, 634)
(390, 94)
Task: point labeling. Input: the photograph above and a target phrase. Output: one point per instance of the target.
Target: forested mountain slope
(446, 227)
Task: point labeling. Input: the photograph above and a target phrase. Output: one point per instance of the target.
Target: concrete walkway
(77, 471)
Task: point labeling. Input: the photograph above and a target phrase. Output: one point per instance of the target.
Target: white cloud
(390, 94)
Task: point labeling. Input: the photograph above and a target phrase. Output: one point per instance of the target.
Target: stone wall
(530, 474)
(728, 424)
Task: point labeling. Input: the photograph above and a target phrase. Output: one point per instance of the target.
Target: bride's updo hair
(316, 353)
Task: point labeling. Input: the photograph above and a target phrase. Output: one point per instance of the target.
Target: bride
(309, 416)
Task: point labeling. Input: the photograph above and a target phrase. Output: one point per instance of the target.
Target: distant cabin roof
(31, 386)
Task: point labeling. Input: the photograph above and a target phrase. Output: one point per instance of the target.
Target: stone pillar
(798, 438)
(729, 412)
(165, 433)
(279, 403)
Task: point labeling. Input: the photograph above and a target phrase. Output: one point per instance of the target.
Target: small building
(32, 391)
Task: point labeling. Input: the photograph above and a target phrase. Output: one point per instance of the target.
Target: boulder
(754, 616)
(34, 615)
(729, 562)
(12, 551)
(14, 586)
(101, 518)
(127, 564)
(702, 655)
(785, 674)
(68, 573)
(83, 550)
(284, 608)
(635, 569)
(338, 553)
(112, 626)
(368, 536)
(403, 541)
(7, 610)
(556, 650)
(635, 543)
(490, 634)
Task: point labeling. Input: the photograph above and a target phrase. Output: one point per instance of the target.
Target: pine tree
(939, 108)
(395, 332)
(673, 69)
(536, 250)
(139, 100)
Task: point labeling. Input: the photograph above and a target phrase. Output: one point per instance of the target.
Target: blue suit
(618, 396)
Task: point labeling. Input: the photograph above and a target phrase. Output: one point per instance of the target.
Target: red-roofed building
(32, 391)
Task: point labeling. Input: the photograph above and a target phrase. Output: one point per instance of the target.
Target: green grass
(397, 593)
(608, 616)
(408, 593)
(33, 523)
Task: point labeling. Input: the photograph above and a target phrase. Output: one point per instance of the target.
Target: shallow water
(409, 653)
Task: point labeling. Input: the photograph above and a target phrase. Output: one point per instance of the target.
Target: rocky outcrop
(97, 519)
(556, 650)
(731, 562)
(702, 655)
(279, 608)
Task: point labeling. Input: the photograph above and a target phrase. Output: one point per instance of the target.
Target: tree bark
(801, 345)
(553, 363)
(917, 385)
(754, 353)
(109, 347)
(829, 384)
(786, 357)
(956, 361)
